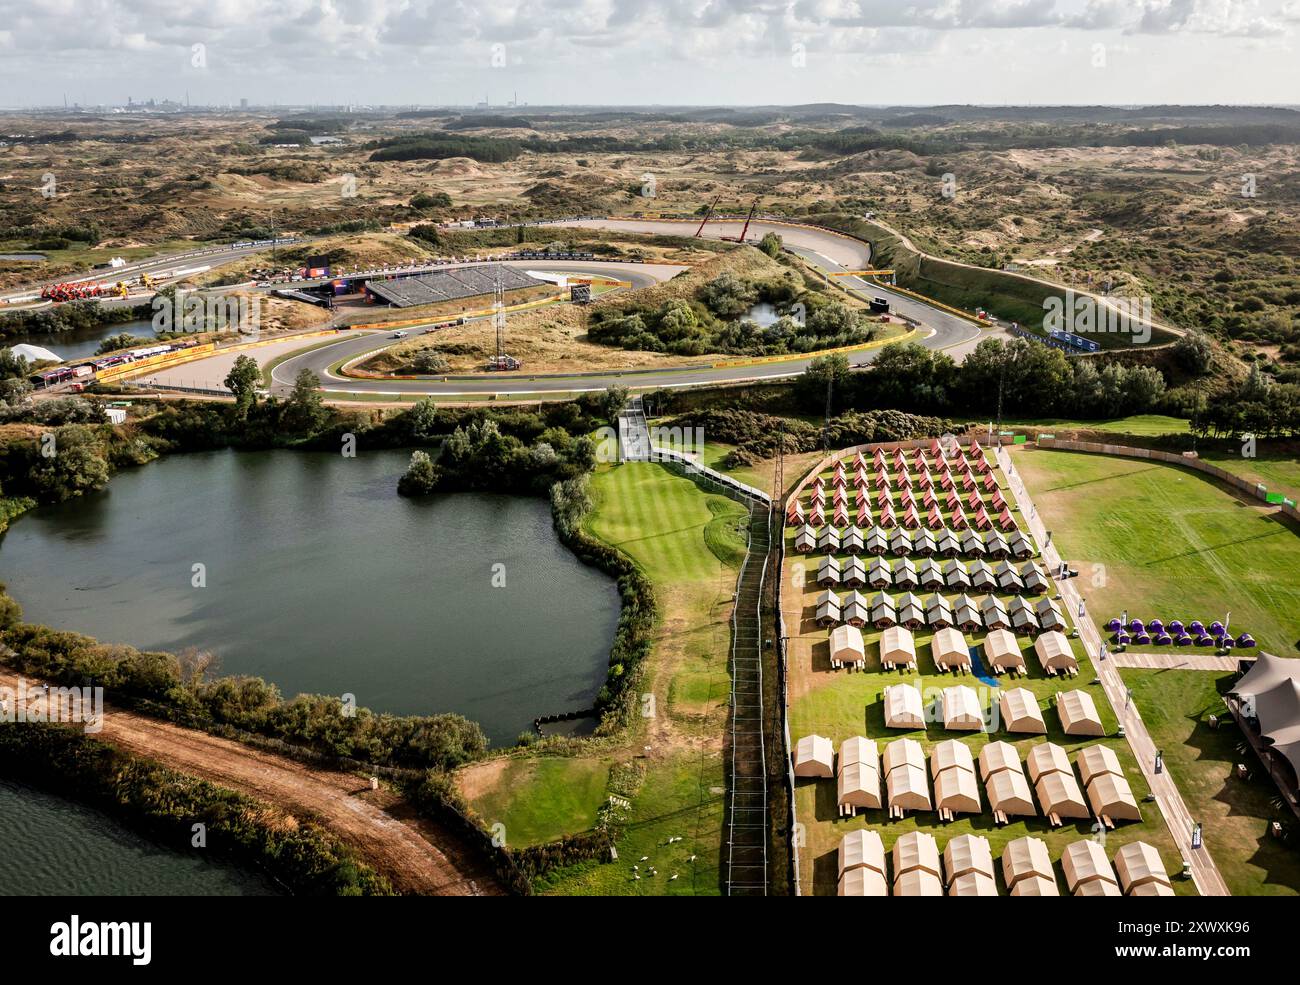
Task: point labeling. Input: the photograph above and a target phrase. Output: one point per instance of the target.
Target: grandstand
(453, 284)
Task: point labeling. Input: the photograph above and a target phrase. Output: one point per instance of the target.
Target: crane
(707, 215)
(748, 219)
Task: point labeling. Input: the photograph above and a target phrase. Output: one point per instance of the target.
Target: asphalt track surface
(832, 253)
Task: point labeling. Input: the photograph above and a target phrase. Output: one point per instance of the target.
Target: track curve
(830, 251)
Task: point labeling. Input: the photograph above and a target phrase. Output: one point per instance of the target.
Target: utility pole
(499, 317)
(826, 430)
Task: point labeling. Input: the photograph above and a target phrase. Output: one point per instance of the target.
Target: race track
(829, 251)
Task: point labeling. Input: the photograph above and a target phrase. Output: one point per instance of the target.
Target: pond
(68, 849)
(308, 569)
(81, 343)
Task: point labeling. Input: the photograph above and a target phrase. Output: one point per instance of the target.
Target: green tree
(423, 419)
(304, 411)
(421, 476)
(244, 378)
(833, 370)
(77, 465)
(771, 245)
(613, 400)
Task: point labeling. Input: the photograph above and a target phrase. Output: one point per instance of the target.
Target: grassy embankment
(670, 765)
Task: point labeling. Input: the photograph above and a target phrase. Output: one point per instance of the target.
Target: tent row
(934, 509)
(894, 537)
(963, 613)
(933, 575)
(964, 869)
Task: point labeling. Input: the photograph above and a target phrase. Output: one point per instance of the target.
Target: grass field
(1163, 541)
(689, 543)
(1279, 470)
(1141, 424)
(1176, 706)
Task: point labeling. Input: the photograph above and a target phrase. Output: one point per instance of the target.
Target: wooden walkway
(1174, 661)
(1205, 874)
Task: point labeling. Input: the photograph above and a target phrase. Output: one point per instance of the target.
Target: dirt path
(417, 855)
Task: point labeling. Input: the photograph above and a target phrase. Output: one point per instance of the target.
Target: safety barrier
(170, 359)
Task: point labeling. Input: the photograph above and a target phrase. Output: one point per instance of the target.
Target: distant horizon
(652, 52)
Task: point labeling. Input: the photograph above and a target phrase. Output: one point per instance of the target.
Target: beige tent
(1054, 652)
(902, 752)
(1020, 712)
(903, 707)
(1084, 862)
(1008, 793)
(1002, 651)
(1078, 713)
(956, 790)
(1139, 864)
(908, 789)
(1096, 760)
(1153, 889)
(897, 648)
(1112, 797)
(965, 854)
(1099, 887)
(1035, 886)
(859, 750)
(949, 649)
(916, 850)
(863, 882)
(1059, 795)
(973, 884)
(858, 785)
(918, 883)
(998, 756)
(961, 709)
(1024, 858)
(1047, 757)
(847, 646)
(862, 848)
(951, 754)
(814, 756)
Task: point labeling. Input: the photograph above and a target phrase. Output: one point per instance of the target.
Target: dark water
(57, 847)
(83, 342)
(320, 578)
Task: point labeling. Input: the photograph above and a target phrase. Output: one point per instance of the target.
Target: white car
(398, 335)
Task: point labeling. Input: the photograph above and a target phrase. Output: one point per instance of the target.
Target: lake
(82, 343)
(57, 847)
(308, 569)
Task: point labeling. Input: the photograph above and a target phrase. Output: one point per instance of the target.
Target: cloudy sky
(644, 52)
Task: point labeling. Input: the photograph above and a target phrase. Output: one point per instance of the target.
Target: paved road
(1206, 875)
(827, 250)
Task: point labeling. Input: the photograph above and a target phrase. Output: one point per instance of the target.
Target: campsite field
(690, 544)
(842, 704)
(1167, 542)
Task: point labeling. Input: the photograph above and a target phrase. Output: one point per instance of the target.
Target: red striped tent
(936, 518)
(1006, 521)
(982, 521)
(998, 502)
(929, 499)
(795, 513)
(883, 499)
(887, 517)
(959, 521)
(990, 482)
(953, 502)
(910, 519)
(864, 514)
(974, 502)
